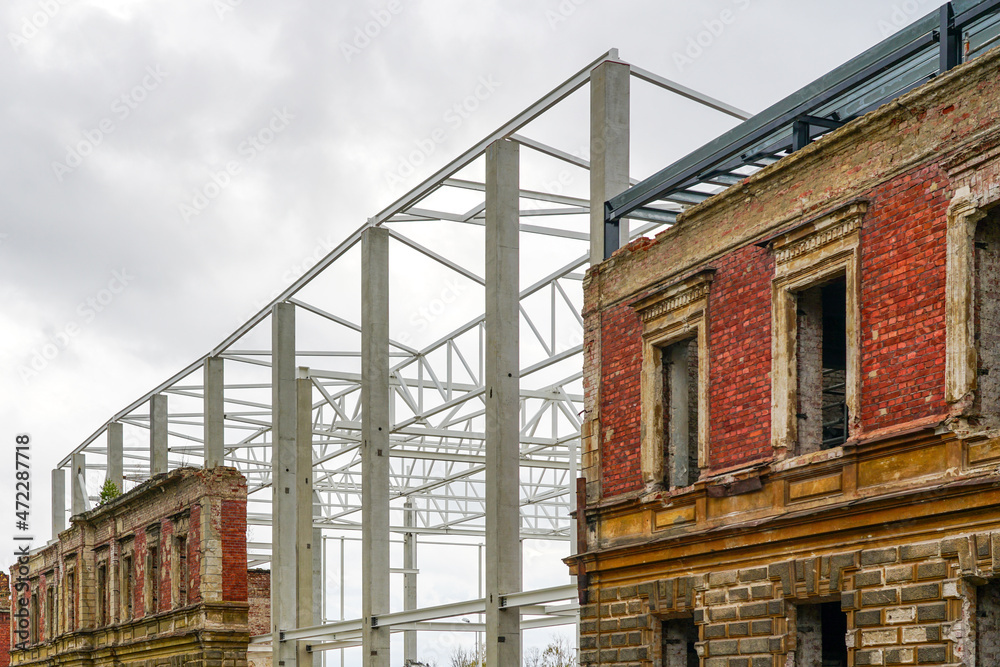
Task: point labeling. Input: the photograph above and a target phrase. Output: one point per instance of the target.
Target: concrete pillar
(78, 484)
(609, 137)
(375, 443)
(58, 502)
(215, 410)
(503, 545)
(116, 454)
(284, 493)
(318, 556)
(304, 509)
(409, 581)
(157, 434)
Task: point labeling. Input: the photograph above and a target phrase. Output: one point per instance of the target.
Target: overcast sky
(120, 259)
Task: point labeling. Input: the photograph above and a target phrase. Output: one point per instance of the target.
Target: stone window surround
(671, 314)
(806, 256)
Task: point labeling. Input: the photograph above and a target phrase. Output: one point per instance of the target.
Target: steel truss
(437, 440)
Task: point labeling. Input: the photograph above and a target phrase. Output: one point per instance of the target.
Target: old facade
(792, 436)
(154, 577)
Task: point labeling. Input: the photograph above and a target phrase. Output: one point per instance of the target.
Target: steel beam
(214, 412)
(284, 476)
(157, 434)
(375, 425)
(502, 381)
(609, 154)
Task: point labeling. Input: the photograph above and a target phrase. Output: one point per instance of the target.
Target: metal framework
(231, 405)
(932, 45)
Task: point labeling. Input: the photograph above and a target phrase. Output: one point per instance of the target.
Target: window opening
(987, 318)
(988, 625)
(102, 595)
(153, 572)
(679, 637)
(822, 632)
(679, 365)
(822, 366)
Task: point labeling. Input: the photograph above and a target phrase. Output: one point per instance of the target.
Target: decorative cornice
(675, 296)
(814, 234)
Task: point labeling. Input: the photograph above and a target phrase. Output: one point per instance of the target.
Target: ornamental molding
(815, 234)
(674, 297)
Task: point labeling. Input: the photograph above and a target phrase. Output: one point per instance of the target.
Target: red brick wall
(259, 597)
(621, 364)
(234, 549)
(5, 601)
(902, 336)
(739, 314)
(902, 297)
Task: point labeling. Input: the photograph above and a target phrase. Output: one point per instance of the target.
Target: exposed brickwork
(259, 598)
(902, 305)
(4, 620)
(740, 352)
(621, 362)
(234, 550)
(207, 508)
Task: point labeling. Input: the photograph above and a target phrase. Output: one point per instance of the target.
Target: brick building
(793, 407)
(156, 576)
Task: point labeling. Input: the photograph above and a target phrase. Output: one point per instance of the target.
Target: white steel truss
(437, 439)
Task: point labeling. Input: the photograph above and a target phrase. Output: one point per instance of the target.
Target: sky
(168, 166)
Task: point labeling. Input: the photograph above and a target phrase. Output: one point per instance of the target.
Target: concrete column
(157, 434)
(284, 493)
(116, 454)
(609, 137)
(78, 484)
(503, 545)
(409, 581)
(58, 502)
(304, 509)
(318, 555)
(214, 412)
(375, 443)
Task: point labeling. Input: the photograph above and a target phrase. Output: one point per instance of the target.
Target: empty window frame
(986, 253)
(821, 358)
(180, 571)
(127, 588)
(675, 376)
(102, 595)
(680, 391)
(987, 630)
(153, 579)
(821, 635)
(33, 621)
(679, 638)
(815, 321)
(70, 601)
(50, 613)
